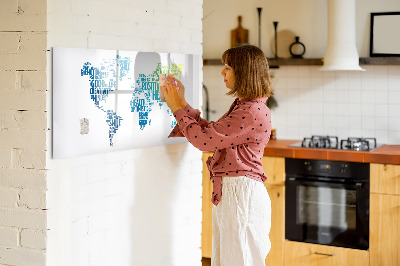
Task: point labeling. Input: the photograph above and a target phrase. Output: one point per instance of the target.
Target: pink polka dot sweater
(238, 139)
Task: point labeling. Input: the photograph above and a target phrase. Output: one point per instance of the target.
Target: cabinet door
(384, 230)
(274, 168)
(305, 254)
(277, 233)
(206, 232)
(385, 178)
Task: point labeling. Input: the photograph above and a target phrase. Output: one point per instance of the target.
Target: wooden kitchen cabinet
(306, 254)
(274, 168)
(206, 225)
(384, 236)
(277, 233)
(385, 178)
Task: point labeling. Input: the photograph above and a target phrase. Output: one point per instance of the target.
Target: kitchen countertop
(389, 154)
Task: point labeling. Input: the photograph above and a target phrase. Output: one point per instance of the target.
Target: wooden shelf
(273, 63)
(380, 61)
(295, 62)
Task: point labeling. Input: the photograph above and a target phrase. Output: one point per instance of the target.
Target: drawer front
(298, 253)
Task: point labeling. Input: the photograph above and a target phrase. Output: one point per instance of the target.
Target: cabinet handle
(325, 254)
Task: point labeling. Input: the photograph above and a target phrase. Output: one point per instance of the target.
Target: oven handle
(357, 185)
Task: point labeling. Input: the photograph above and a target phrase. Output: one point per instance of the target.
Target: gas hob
(332, 142)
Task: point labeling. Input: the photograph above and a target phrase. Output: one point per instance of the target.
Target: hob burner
(358, 144)
(328, 142)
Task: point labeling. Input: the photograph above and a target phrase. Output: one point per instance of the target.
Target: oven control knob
(308, 166)
(343, 168)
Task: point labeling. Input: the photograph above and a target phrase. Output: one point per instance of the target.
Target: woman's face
(229, 76)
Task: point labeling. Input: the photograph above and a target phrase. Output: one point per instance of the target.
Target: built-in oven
(327, 202)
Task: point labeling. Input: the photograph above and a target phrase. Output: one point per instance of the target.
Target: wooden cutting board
(239, 35)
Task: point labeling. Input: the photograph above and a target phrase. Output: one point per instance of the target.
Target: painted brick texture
(23, 126)
(124, 207)
(9, 237)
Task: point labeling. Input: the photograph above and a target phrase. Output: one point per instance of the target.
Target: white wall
(134, 207)
(305, 18)
(311, 102)
(23, 133)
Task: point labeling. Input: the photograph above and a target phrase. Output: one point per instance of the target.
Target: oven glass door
(326, 213)
(326, 207)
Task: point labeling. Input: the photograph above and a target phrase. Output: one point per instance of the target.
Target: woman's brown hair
(250, 66)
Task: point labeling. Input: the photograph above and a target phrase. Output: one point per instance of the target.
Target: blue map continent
(145, 91)
(102, 82)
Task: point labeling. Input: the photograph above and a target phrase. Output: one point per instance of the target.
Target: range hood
(341, 51)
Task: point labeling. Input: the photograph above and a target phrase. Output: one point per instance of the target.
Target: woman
(242, 209)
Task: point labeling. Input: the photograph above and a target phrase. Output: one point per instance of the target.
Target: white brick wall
(23, 15)
(9, 237)
(23, 178)
(134, 207)
(11, 256)
(9, 197)
(23, 126)
(33, 239)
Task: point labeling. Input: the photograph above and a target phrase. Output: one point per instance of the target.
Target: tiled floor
(206, 261)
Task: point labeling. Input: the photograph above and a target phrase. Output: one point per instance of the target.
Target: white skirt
(241, 223)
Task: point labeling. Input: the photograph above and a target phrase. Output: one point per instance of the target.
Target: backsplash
(314, 102)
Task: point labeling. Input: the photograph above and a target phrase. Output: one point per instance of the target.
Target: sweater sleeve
(193, 113)
(231, 130)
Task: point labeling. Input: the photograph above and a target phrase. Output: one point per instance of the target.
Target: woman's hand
(171, 95)
(181, 91)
